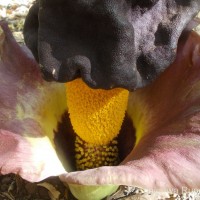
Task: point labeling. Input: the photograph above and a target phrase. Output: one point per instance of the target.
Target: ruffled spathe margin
(26, 125)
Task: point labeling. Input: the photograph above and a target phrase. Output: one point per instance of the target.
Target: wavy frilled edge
(29, 111)
(165, 114)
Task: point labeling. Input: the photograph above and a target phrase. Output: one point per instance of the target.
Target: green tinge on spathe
(85, 192)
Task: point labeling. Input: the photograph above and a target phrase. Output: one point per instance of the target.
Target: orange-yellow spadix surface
(96, 115)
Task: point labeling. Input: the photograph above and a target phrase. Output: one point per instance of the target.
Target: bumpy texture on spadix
(96, 115)
(89, 155)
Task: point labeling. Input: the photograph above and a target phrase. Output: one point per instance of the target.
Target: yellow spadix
(96, 114)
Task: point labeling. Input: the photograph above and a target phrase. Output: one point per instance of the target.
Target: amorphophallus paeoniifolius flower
(165, 115)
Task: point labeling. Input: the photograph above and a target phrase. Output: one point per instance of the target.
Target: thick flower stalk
(96, 116)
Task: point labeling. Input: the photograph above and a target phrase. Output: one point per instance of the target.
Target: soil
(13, 187)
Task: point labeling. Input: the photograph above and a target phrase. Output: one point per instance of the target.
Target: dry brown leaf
(53, 192)
(7, 195)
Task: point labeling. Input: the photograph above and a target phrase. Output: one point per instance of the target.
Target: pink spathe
(166, 115)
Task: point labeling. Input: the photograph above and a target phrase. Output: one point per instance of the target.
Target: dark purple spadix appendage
(109, 43)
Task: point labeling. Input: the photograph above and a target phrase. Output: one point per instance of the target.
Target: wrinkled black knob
(108, 43)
